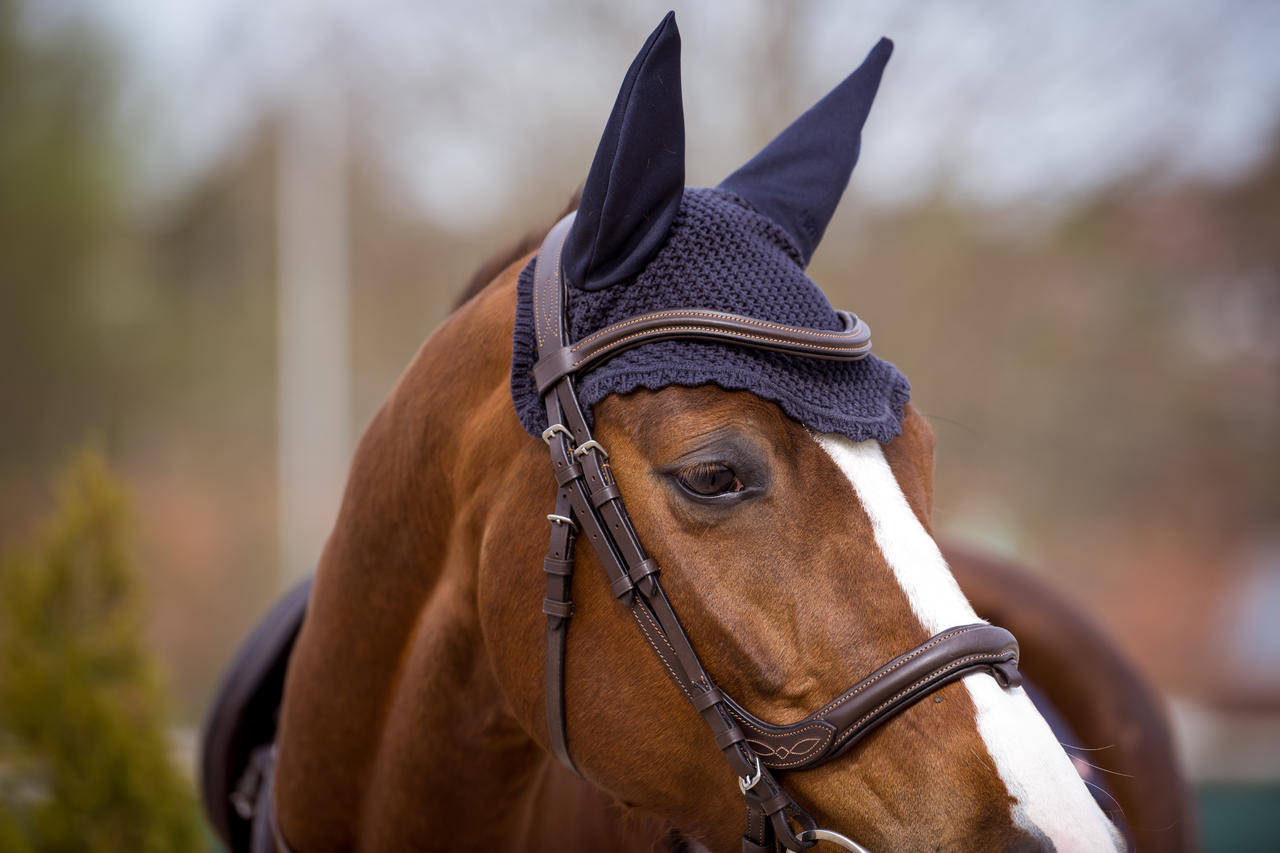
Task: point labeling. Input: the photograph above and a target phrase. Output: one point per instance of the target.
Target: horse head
(778, 503)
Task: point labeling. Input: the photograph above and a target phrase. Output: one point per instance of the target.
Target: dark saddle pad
(235, 746)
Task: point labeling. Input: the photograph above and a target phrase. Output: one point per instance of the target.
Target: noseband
(588, 503)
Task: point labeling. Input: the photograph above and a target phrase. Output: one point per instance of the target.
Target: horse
(453, 683)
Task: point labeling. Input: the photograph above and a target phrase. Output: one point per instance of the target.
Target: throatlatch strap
(558, 606)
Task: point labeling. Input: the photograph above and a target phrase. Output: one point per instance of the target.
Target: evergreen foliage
(84, 761)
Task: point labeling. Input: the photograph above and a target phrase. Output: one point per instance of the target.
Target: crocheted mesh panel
(722, 255)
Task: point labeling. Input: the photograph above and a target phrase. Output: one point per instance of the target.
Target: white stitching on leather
(821, 333)
(644, 611)
(858, 688)
(740, 336)
(825, 734)
(942, 670)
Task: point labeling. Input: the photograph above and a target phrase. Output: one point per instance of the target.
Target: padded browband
(589, 502)
(850, 343)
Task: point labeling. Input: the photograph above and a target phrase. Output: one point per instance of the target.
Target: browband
(851, 343)
(589, 503)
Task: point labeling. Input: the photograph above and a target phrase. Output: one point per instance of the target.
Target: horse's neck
(395, 733)
(455, 766)
(451, 762)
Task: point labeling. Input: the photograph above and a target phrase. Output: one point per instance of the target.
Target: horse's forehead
(665, 422)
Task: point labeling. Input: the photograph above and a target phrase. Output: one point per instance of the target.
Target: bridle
(589, 503)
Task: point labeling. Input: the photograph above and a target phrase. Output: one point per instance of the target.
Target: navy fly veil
(642, 242)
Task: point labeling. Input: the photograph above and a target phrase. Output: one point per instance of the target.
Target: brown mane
(504, 258)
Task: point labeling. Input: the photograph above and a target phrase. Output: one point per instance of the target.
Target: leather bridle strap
(850, 343)
(842, 722)
(558, 606)
(589, 503)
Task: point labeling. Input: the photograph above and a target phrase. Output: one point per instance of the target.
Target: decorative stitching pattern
(825, 735)
(553, 281)
(540, 306)
(556, 283)
(783, 751)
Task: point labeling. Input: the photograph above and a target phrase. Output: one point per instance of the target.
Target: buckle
(746, 783)
(592, 444)
(562, 519)
(555, 428)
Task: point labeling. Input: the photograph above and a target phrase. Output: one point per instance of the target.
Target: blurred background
(226, 226)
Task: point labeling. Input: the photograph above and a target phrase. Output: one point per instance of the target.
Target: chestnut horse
(413, 715)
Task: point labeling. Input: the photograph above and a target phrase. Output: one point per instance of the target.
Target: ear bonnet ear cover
(637, 176)
(740, 248)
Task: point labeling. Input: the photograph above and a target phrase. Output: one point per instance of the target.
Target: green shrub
(84, 760)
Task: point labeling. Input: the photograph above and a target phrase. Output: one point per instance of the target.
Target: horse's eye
(710, 479)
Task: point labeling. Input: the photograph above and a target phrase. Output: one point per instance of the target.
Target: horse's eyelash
(701, 469)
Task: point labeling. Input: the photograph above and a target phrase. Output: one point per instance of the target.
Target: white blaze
(1051, 797)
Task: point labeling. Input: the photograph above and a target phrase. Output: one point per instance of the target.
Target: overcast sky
(992, 102)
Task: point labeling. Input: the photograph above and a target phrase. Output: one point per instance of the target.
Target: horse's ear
(637, 177)
(798, 178)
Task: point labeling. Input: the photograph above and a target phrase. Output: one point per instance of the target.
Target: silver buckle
(562, 519)
(746, 783)
(555, 428)
(582, 449)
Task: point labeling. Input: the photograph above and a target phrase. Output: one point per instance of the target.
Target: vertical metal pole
(313, 438)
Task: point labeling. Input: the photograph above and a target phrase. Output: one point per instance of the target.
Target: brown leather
(589, 497)
(558, 607)
(827, 733)
(851, 343)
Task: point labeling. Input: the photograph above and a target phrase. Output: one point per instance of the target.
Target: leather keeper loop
(729, 737)
(562, 609)
(621, 586)
(1007, 674)
(569, 473)
(704, 700)
(552, 566)
(644, 570)
(604, 494)
(776, 803)
(551, 368)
